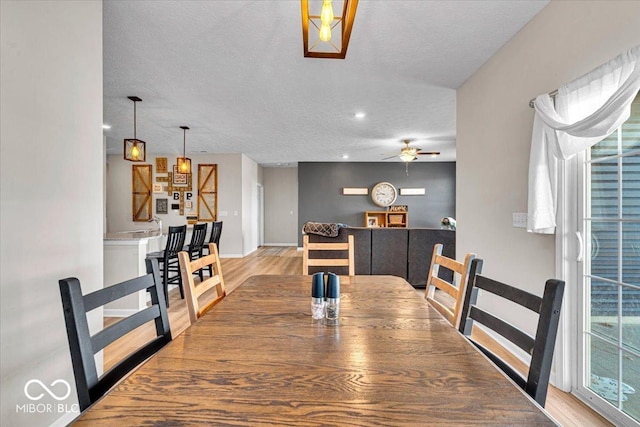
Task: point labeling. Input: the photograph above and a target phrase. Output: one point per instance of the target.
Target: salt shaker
(332, 307)
(317, 296)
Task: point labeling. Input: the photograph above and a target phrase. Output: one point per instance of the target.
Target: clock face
(384, 194)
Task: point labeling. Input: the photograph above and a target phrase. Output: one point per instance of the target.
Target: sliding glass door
(609, 218)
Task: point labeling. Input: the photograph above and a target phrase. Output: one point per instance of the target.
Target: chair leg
(165, 283)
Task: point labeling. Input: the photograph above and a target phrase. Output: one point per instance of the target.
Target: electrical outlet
(520, 219)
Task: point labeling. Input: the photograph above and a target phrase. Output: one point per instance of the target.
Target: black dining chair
(84, 346)
(214, 237)
(535, 382)
(168, 259)
(195, 247)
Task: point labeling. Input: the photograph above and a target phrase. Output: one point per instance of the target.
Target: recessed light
(345, 156)
(359, 115)
(106, 127)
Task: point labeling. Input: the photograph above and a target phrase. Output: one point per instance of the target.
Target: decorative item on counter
(332, 305)
(192, 219)
(448, 223)
(317, 296)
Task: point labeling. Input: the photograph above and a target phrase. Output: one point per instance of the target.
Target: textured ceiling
(234, 72)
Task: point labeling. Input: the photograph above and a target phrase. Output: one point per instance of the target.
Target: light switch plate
(520, 219)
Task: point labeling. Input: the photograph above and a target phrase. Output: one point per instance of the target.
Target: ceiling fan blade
(387, 158)
(429, 153)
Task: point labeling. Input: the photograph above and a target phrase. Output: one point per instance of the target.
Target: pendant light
(134, 149)
(184, 163)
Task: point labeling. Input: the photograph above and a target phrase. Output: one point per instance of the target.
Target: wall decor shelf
(386, 219)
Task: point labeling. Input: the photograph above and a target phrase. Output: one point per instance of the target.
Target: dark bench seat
(402, 252)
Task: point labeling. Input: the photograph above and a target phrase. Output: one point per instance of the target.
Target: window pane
(604, 369)
(631, 186)
(604, 309)
(604, 249)
(631, 253)
(631, 318)
(605, 148)
(631, 385)
(631, 128)
(604, 189)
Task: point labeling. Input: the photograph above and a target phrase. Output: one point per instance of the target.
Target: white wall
(564, 41)
(249, 205)
(235, 174)
(281, 206)
(52, 189)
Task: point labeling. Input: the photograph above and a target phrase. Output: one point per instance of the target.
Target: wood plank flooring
(564, 407)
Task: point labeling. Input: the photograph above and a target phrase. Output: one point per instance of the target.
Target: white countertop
(133, 235)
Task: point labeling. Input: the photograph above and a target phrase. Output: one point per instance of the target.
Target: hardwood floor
(564, 407)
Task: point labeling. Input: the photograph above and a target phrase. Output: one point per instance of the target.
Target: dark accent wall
(320, 191)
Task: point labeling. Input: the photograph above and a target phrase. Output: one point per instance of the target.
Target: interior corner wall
(51, 221)
(281, 206)
(564, 41)
(249, 205)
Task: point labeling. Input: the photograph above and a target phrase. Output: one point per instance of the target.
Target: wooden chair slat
(90, 387)
(194, 290)
(539, 347)
(434, 282)
(348, 261)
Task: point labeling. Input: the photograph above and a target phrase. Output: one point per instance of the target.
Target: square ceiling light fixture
(325, 34)
(134, 148)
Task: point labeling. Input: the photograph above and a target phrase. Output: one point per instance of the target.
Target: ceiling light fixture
(184, 163)
(134, 149)
(323, 24)
(360, 115)
(106, 127)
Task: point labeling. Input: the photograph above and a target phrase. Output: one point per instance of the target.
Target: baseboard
(231, 256)
(118, 312)
(280, 244)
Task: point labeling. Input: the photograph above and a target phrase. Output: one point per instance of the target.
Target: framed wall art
(179, 178)
(161, 165)
(162, 206)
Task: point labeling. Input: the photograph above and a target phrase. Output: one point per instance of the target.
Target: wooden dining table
(258, 358)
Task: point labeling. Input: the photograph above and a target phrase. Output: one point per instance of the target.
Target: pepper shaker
(332, 307)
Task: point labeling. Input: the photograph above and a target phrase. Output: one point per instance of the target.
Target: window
(609, 277)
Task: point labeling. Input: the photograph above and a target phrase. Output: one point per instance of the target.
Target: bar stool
(216, 232)
(197, 244)
(168, 259)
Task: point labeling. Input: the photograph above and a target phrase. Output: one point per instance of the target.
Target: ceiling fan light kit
(134, 148)
(325, 35)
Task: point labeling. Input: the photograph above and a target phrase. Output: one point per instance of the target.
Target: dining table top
(258, 358)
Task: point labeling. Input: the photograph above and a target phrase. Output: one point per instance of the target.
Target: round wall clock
(384, 194)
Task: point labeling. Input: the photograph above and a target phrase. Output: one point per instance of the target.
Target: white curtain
(587, 110)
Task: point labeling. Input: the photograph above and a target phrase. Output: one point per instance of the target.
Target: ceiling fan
(409, 154)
